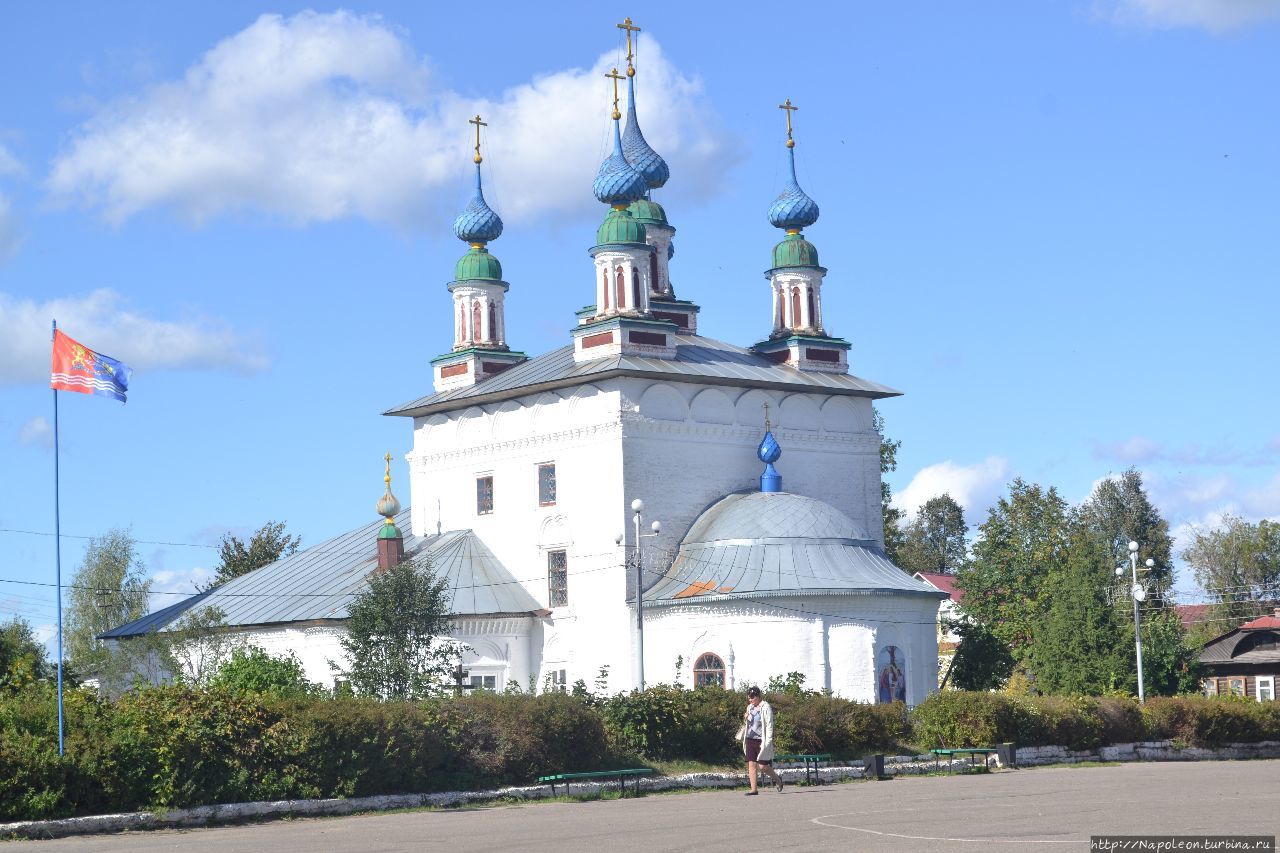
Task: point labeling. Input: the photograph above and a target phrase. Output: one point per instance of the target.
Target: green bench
(971, 753)
(811, 761)
(621, 775)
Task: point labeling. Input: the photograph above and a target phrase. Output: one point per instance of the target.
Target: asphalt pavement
(1055, 808)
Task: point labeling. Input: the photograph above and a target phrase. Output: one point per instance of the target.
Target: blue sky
(1052, 225)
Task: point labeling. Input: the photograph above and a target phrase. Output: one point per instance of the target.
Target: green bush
(1211, 722)
(666, 722)
(956, 718)
(814, 722)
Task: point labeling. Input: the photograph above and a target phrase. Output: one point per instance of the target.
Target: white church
(760, 463)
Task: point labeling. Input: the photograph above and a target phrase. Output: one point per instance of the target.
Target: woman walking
(757, 740)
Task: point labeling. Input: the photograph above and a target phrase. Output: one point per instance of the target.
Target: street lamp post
(637, 507)
(1139, 595)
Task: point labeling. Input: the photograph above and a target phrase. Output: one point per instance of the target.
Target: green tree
(22, 657)
(982, 660)
(935, 540)
(1238, 565)
(107, 591)
(397, 634)
(892, 515)
(254, 671)
(1120, 512)
(268, 544)
(1084, 646)
(1020, 546)
(1170, 659)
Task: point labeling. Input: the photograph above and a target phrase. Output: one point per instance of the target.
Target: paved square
(1035, 809)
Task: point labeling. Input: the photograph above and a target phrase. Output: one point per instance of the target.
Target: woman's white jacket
(766, 732)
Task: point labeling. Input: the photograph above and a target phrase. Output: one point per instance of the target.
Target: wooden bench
(811, 761)
(971, 752)
(621, 775)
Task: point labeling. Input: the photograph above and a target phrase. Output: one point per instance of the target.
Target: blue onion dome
(620, 227)
(477, 223)
(617, 182)
(793, 209)
(637, 150)
(769, 450)
(648, 212)
(477, 264)
(795, 251)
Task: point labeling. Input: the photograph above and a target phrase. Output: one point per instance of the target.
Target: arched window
(475, 321)
(462, 322)
(813, 315)
(795, 308)
(635, 288)
(620, 285)
(782, 309)
(708, 670)
(653, 273)
(493, 322)
(605, 291)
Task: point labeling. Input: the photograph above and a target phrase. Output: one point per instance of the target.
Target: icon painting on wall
(893, 675)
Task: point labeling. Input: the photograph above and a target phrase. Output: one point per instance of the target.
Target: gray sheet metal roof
(752, 545)
(697, 359)
(1224, 649)
(321, 582)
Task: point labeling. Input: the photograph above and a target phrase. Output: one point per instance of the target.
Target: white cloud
(1264, 502)
(9, 165)
(169, 586)
(324, 116)
(36, 432)
(974, 486)
(1216, 16)
(100, 320)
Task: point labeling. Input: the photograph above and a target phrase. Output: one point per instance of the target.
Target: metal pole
(1137, 620)
(57, 550)
(639, 604)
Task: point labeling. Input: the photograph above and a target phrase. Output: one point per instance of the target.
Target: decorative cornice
(423, 460)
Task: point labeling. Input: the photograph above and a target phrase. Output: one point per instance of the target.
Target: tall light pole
(1139, 595)
(637, 507)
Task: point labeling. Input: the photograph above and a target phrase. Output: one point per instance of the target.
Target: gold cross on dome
(789, 109)
(615, 76)
(766, 417)
(387, 477)
(630, 28)
(479, 124)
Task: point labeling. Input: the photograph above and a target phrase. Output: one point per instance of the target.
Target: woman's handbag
(742, 732)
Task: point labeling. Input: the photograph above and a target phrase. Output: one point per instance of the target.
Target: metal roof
(320, 582)
(698, 359)
(1227, 648)
(758, 544)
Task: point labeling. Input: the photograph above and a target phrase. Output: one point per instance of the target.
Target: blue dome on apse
(637, 150)
(793, 209)
(769, 452)
(477, 223)
(618, 182)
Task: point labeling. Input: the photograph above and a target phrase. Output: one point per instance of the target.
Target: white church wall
(579, 430)
(834, 641)
(682, 454)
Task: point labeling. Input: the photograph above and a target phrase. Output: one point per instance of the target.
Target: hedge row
(958, 719)
(174, 747)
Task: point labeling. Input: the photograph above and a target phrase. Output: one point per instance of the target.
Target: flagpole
(57, 549)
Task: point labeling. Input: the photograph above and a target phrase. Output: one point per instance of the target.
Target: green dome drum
(648, 212)
(795, 251)
(478, 264)
(620, 227)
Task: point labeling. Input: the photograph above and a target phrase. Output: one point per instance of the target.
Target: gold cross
(766, 417)
(479, 124)
(790, 109)
(387, 479)
(615, 76)
(630, 28)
